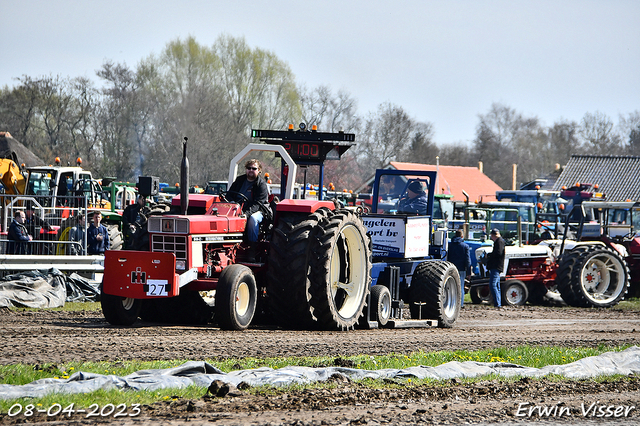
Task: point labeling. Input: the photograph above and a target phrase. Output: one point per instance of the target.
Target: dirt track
(45, 336)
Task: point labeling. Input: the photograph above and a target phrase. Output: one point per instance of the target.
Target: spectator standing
(18, 235)
(76, 234)
(495, 265)
(97, 236)
(460, 255)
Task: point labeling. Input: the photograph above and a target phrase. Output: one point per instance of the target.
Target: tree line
(133, 122)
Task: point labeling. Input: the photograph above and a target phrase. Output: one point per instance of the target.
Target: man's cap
(416, 186)
(495, 231)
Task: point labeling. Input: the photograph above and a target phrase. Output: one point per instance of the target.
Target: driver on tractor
(252, 190)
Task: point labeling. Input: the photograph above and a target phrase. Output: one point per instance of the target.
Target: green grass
(18, 374)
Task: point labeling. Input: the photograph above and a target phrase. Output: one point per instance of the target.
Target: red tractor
(312, 264)
(312, 267)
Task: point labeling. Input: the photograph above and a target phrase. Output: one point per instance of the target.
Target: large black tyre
(514, 293)
(340, 271)
(435, 292)
(594, 276)
(381, 304)
(120, 310)
(480, 294)
(289, 256)
(319, 270)
(236, 296)
(115, 237)
(565, 271)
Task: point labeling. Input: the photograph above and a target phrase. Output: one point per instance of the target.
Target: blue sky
(444, 62)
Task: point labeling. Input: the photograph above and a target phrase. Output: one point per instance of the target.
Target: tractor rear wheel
(514, 292)
(120, 310)
(289, 266)
(599, 278)
(115, 237)
(565, 273)
(339, 279)
(435, 292)
(319, 266)
(236, 296)
(381, 302)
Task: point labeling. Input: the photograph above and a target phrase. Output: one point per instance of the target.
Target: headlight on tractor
(181, 265)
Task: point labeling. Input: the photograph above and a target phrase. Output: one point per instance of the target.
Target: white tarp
(45, 289)
(202, 374)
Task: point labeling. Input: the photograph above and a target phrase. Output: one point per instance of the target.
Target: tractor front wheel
(236, 296)
(120, 310)
(514, 292)
(480, 294)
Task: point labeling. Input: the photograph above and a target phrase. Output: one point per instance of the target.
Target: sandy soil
(55, 337)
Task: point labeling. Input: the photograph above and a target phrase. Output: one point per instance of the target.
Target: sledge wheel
(435, 292)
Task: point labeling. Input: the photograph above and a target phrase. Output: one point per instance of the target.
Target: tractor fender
(303, 206)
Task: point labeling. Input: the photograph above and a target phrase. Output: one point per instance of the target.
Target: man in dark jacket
(459, 255)
(256, 191)
(416, 202)
(18, 236)
(97, 236)
(495, 265)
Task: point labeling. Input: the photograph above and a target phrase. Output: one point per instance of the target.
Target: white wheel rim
(603, 278)
(514, 294)
(451, 301)
(243, 296)
(355, 285)
(385, 304)
(127, 303)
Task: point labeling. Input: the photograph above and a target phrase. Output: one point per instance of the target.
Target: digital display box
(308, 147)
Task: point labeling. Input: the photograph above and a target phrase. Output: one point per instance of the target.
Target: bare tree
(630, 130)
(598, 135)
(329, 112)
(386, 137)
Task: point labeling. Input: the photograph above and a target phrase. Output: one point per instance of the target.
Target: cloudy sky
(444, 62)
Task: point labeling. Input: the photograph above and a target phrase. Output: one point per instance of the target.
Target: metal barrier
(49, 227)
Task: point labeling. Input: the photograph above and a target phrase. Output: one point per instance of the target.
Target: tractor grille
(168, 225)
(166, 243)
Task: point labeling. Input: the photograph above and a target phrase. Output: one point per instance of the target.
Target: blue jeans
(494, 286)
(253, 226)
(463, 275)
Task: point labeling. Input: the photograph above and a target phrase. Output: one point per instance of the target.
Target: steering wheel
(243, 197)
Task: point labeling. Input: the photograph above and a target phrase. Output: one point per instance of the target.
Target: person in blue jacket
(97, 236)
(416, 201)
(460, 255)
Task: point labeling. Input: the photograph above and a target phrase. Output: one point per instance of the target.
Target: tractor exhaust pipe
(184, 179)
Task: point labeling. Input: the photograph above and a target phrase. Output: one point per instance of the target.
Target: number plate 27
(156, 287)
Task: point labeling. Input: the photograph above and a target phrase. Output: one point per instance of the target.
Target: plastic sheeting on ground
(202, 374)
(45, 289)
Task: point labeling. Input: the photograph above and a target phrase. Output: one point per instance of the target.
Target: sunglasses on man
(252, 168)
